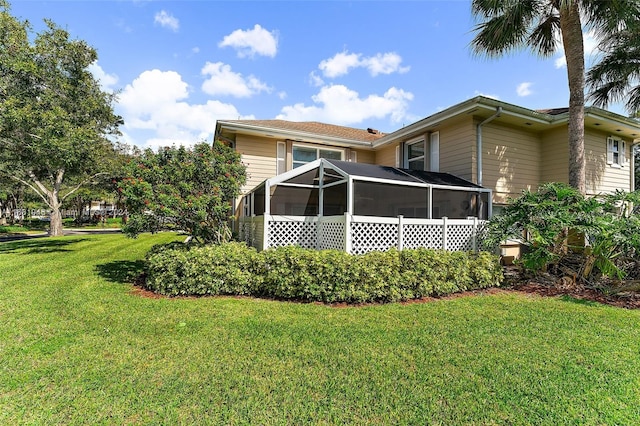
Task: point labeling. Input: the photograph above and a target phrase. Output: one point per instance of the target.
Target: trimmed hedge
(328, 276)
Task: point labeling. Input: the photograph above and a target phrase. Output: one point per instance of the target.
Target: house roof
(305, 131)
(480, 107)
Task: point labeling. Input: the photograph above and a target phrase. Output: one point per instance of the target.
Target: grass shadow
(121, 271)
(39, 245)
(578, 301)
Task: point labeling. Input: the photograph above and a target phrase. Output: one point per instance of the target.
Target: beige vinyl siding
(600, 176)
(362, 156)
(386, 156)
(259, 156)
(555, 156)
(511, 160)
(457, 149)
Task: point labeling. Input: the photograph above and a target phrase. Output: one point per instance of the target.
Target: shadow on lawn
(121, 271)
(39, 245)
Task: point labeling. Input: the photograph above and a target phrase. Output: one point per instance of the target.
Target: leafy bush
(546, 220)
(328, 276)
(203, 270)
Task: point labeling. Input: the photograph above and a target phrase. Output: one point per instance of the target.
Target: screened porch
(362, 207)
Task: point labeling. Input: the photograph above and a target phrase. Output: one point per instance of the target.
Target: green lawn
(76, 347)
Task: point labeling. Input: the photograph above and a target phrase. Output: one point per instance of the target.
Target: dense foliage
(55, 120)
(555, 221)
(185, 189)
(328, 276)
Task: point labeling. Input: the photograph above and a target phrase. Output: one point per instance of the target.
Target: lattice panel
(459, 237)
(415, 236)
(366, 237)
(301, 234)
(331, 235)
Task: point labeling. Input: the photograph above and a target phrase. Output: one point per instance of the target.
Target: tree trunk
(572, 41)
(55, 226)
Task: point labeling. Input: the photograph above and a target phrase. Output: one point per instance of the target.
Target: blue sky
(181, 65)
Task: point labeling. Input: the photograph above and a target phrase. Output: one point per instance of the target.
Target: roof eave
(463, 108)
(296, 136)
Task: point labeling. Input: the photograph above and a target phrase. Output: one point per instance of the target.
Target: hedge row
(325, 276)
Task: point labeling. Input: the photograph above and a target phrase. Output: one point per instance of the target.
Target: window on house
(615, 152)
(415, 152)
(305, 154)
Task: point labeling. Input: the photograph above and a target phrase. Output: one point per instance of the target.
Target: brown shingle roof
(553, 111)
(315, 128)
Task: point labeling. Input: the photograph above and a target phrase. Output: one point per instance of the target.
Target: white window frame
(317, 148)
(422, 157)
(281, 157)
(616, 152)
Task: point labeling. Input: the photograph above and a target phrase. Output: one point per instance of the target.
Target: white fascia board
(610, 117)
(463, 108)
(295, 136)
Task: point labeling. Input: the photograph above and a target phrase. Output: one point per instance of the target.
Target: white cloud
(156, 104)
(249, 43)
(340, 64)
(167, 20)
(341, 105)
(107, 81)
(343, 62)
(195, 49)
(524, 89)
(385, 63)
(282, 95)
(315, 80)
(222, 81)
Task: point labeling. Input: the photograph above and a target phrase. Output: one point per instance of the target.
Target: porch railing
(360, 234)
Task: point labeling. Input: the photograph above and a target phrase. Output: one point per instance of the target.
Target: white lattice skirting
(360, 234)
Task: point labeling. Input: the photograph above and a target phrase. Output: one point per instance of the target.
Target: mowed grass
(77, 347)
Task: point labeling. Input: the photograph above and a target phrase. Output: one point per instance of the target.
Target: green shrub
(328, 276)
(203, 270)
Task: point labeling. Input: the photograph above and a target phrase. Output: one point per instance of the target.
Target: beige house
(500, 146)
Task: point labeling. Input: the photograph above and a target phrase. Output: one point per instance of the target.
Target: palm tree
(617, 76)
(541, 25)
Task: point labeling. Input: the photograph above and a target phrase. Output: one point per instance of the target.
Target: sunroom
(331, 204)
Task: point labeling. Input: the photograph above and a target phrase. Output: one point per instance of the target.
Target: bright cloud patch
(341, 105)
(248, 43)
(222, 81)
(107, 81)
(524, 89)
(343, 62)
(156, 101)
(167, 20)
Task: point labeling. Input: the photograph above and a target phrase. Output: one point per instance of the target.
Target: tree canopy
(616, 77)
(55, 120)
(191, 190)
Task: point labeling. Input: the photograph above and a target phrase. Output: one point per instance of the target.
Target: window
(303, 154)
(415, 155)
(615, 152)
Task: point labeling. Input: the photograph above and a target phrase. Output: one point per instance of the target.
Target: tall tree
(544, 26)
(616, 77)
(55, 120)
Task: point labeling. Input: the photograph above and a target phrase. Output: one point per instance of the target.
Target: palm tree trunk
(572, 41)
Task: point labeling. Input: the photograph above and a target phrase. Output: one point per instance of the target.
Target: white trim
(434, 152)
(318, 148)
